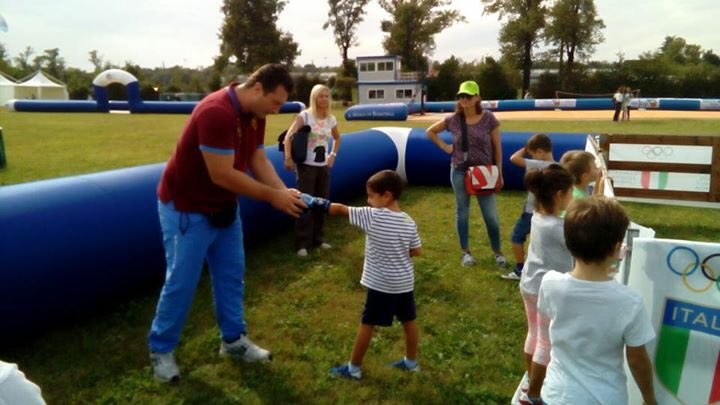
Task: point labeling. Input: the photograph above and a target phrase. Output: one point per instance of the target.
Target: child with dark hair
(539, 148)
(388, 272)
(581, 164)
(593, 318)
(552, 189)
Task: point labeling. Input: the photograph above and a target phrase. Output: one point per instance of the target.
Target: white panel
(621, 152)
(660, 180)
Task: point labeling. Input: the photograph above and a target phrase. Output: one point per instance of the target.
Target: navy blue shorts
(522, 228)
(381, 308)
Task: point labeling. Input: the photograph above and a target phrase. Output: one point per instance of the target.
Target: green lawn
(471, 322)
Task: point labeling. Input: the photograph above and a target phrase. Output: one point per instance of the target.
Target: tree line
(569, 30)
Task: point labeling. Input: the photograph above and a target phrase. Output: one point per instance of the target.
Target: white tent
(7, 88)
(42, 88)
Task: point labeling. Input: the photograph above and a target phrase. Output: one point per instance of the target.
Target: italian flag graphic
(689, 344)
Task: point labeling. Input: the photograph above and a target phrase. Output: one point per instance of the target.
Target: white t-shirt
(591, 322)
(530, 165)
(390, 236)
(319, 139)
(16, 389)
(546, 251)
(618, 97)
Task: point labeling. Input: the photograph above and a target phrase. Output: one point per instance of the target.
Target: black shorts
(381, 308)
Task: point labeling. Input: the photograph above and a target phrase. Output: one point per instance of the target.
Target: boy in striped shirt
(392, 240)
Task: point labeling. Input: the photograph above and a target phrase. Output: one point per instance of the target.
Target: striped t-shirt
(388, 267)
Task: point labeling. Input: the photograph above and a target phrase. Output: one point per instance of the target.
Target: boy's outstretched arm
(337, 209)
(641, 369)
(518, 158)
(415, 252)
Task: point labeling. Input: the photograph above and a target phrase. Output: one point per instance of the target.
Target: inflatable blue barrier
(134, 103)
(679, 104)
(71, 245)
(440, 106)
(395, 112)
(377, 112)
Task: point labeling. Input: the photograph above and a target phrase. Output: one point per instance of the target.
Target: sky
(156, 33)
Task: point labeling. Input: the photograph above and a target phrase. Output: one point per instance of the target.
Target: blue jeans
(189, 240)
(522, 228)
(488, 207)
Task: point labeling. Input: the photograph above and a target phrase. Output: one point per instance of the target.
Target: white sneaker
(325, 246)
(165, 368)
(511, 276)
(467, 259)
(302, 252)
(500, 260)
(244, 349)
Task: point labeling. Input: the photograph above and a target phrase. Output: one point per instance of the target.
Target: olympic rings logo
(692, 265)
(654, 152)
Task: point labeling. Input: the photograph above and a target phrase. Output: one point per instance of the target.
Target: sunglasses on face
(464, 96)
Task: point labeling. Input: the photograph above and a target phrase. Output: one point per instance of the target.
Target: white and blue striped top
(388, 267)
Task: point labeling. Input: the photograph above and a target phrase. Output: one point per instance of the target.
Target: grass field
(471, 322)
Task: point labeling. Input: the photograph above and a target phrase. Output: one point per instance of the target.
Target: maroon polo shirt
(217, 127)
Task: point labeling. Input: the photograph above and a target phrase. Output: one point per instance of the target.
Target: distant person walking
(617, 102)
(627, 96)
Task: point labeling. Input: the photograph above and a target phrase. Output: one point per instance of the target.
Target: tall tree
(573, 28)
(51, 62)
(520, 33)
(250, 33)
(344, 16)
(96, 59)
(413, 27)
(22, 61)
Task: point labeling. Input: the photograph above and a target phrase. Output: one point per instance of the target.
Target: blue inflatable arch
(108, 77)
(69, 245)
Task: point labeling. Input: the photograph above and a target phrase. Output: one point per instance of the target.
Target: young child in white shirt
(552, 188)
(593, 318)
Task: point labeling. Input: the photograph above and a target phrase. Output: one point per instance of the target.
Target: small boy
(392, 240)
(539, 148)
(593, 318)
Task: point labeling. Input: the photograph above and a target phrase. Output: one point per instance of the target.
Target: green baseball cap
(469, 87)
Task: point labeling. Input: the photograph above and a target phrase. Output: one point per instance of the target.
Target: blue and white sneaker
(344, 372)
(403, 365)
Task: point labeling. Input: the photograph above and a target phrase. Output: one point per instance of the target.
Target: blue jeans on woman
(488, 207)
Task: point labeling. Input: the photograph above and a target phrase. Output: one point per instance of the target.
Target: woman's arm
(432, 133)
(336, 146)
(296, 124)
(497, 151)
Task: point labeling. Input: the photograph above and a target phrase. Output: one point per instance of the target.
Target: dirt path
(583, 115)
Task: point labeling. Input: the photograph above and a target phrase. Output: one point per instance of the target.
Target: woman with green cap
(483, 133)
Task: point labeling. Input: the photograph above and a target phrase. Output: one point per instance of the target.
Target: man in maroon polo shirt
(197, 204)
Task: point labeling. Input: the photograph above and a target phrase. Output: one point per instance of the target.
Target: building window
(403, 93)
(376, 94)
(367, 67)
(384, 66)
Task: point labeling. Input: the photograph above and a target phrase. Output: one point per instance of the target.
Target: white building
(380, 80)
